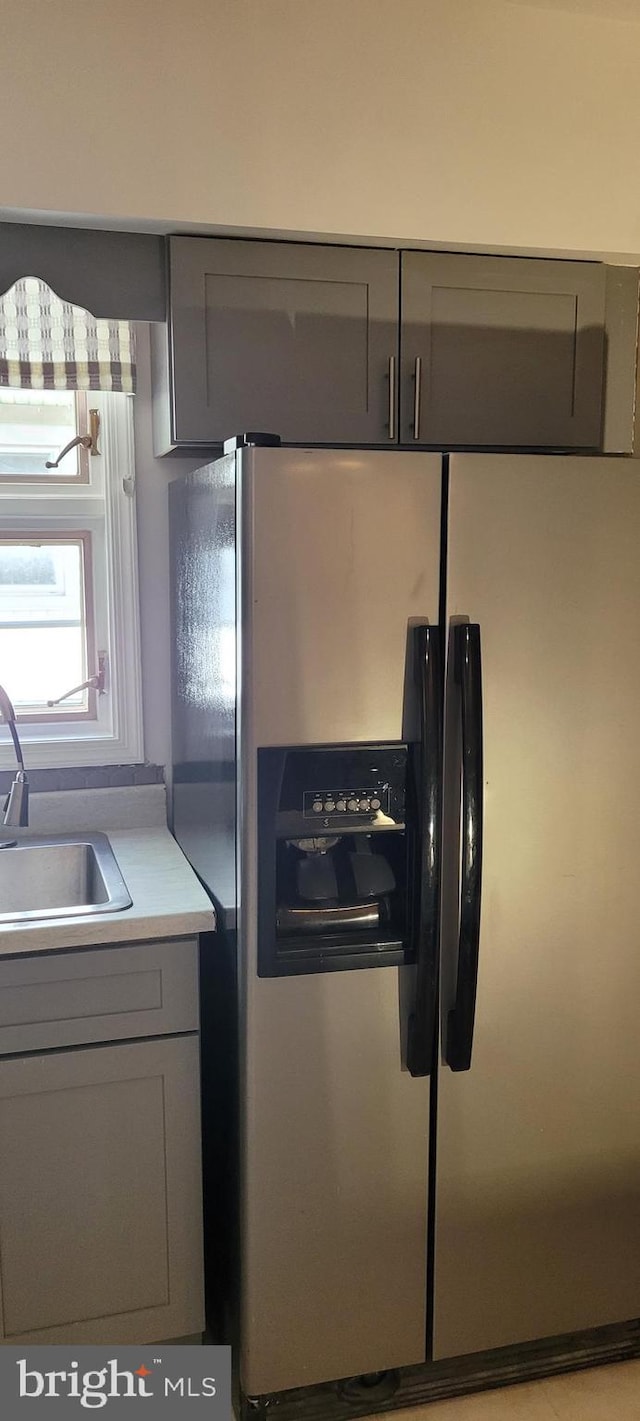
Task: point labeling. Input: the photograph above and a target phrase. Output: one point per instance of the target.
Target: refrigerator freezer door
(340, 551)
(345, 551)
(334, 1168)
(538, 1151)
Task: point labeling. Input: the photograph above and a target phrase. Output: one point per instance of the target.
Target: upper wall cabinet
(502, 351)
(315, 344)
(299, 340)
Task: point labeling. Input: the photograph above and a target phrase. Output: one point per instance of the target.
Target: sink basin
(60, 877)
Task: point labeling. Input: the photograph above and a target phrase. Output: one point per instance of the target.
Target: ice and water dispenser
(335, 858)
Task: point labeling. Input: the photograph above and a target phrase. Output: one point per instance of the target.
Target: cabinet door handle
(392, 396)
(417, 376)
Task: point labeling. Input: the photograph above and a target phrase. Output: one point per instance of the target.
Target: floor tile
(598, 1394)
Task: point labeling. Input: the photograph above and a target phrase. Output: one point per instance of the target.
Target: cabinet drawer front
(105, 994)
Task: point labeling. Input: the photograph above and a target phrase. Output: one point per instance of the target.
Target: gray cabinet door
(505, 351)
(289, 338)
(100, 1196)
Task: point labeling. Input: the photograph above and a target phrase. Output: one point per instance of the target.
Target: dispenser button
(352, 805)
(341, 805)
(317, 806)
(365, 806)
(375, 803)
(329, 806)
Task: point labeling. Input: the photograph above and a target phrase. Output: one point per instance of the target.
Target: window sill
(71, 751)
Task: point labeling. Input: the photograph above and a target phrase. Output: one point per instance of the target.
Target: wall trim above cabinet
(110, 274)
(329, 345)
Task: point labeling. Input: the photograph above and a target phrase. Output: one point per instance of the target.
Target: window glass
(43, 621)
(34, 426)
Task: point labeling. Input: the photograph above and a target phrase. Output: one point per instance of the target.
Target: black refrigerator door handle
(422, 1022)
(467, 671)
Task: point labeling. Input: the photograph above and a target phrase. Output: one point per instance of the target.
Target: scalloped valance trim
(48, 344)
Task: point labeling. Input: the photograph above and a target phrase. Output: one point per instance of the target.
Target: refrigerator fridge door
(340, 552)
(538, 1142)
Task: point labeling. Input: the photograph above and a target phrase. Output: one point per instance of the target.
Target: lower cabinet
(100, 1212)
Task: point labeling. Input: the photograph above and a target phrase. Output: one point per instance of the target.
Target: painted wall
(153, 477)
(512, 124)
(485, 123)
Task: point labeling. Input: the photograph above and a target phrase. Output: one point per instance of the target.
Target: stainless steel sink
(60, 877)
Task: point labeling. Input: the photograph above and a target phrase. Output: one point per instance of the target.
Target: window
(69, 634)
(34, 427)
(47, 633)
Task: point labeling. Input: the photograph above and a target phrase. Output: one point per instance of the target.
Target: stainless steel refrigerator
(439, 1099)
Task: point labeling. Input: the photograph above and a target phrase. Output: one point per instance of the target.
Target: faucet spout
(16, 808)
(8, 715)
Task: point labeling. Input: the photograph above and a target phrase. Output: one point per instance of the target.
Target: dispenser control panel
(343, 802)
(350, 789)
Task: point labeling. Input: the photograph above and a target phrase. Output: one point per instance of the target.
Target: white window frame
(106, 509)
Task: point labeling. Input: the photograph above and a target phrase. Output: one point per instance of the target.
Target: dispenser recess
(335, 858)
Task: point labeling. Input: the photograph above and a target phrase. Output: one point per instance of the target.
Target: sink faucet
(16, 808)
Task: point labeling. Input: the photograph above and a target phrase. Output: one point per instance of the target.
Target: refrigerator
(407, 766)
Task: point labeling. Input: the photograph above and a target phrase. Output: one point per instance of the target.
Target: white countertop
(168, 901)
